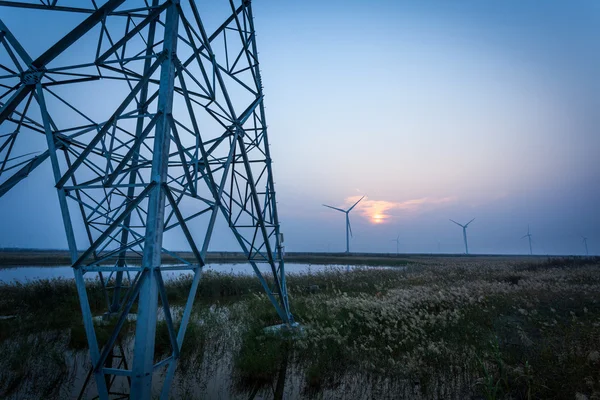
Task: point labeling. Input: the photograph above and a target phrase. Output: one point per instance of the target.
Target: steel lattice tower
(153, 121)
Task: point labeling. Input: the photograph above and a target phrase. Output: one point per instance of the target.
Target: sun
(377, 218)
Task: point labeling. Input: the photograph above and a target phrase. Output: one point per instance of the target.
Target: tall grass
(517, 330)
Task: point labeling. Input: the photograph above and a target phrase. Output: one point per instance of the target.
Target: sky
(434, 110)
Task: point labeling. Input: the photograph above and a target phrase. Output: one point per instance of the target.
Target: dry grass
(448, 328)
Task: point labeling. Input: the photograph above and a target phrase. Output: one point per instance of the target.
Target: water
(31, 273)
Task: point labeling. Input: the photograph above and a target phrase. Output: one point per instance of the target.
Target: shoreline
(41, 258)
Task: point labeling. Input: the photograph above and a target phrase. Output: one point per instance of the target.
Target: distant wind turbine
(585, 243)
(397, 240)
(529, 237)
(464, 227)
(348, 227)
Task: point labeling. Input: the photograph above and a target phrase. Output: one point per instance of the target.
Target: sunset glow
(454, 109)
(380, 211)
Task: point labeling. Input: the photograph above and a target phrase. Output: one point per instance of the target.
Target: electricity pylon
(151, 114)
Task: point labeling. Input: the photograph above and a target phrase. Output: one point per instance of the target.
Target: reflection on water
(30, 273)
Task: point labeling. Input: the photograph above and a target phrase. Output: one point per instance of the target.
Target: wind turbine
(529, 237)
(397, 240)
(348, 227)
(585, 243)
(464, 227)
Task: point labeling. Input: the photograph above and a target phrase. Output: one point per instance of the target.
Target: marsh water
(24, 274)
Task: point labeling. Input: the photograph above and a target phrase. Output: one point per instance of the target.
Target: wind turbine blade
(350, 228)
(350, 209)
(334, 208)
(524, 236)
(467, 224)
(457, 223)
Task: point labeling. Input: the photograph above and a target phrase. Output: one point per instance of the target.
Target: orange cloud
(379, 211)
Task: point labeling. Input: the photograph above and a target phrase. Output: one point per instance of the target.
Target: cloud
(379, 211)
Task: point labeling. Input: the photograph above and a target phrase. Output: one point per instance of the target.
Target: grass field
(481, 328)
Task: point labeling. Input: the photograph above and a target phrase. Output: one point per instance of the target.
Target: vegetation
(444, 328)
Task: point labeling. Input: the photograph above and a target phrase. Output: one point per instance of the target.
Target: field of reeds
(438, 329)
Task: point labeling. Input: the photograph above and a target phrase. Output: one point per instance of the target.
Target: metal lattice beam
(171, 135)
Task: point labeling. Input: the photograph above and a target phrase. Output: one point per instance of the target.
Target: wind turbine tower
(464, 228)
(585, 244)
(529, 237)
(397, 240)
(348, 227)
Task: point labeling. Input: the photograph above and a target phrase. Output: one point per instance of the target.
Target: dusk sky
(432, 109)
